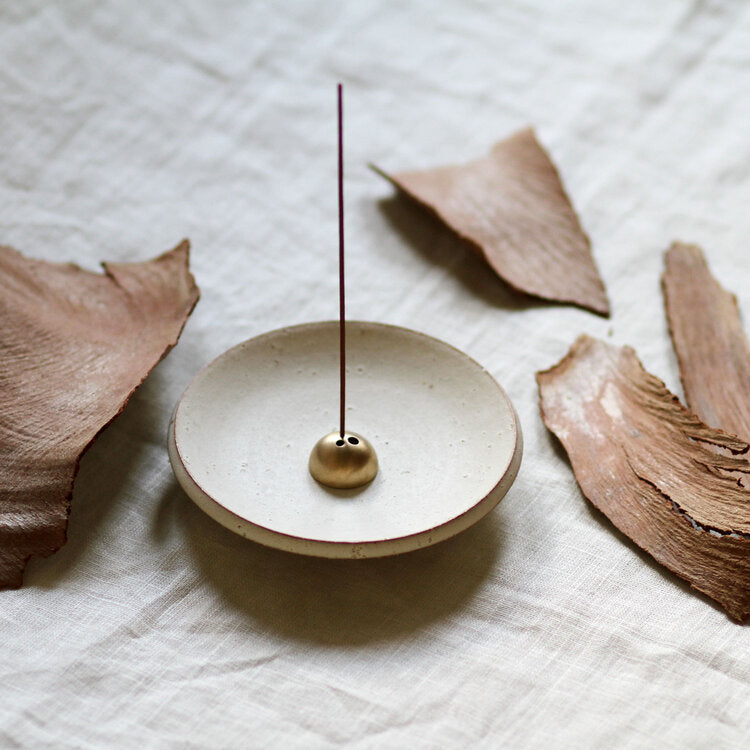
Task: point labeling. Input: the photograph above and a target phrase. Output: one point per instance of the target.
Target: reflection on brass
(343, 462)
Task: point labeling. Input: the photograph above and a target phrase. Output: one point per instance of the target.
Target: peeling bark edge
(723, 577)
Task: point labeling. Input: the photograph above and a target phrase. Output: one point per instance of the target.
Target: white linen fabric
(127, 126)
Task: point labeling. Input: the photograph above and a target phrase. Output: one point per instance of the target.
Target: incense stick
(342, 325)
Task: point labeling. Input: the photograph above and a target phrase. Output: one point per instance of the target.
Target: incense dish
(447, 437)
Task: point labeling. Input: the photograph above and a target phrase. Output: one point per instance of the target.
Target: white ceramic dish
(447, 438)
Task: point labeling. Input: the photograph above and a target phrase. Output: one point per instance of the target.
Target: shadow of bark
(441, 246)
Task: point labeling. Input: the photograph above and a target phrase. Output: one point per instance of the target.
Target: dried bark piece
(712, 349)
(672, 484)
(512, 208)
(74, 345)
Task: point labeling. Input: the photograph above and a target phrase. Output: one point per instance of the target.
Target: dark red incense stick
(342, 326)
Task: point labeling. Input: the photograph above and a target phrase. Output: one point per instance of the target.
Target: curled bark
(672, 484)
(512, 208)
(74, 345)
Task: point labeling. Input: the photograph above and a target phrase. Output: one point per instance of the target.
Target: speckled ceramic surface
(447, 438)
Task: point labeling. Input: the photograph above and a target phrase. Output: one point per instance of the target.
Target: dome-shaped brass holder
(343, 461)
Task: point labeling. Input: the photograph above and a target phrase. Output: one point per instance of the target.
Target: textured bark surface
(712, 349)
(511, 206)
(74, 345)
(672, 484)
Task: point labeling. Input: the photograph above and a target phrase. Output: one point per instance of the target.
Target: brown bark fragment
(74, 345)
(672, 484)
(712, 349)
(511, 206)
